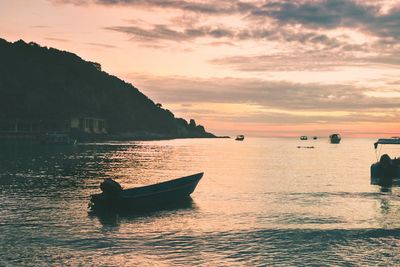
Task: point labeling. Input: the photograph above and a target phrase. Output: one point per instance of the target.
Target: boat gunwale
(159, 191)
(166, 182)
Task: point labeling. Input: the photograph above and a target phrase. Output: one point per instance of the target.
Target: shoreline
(110, 138)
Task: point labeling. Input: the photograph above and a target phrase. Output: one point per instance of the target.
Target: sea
(261, 202)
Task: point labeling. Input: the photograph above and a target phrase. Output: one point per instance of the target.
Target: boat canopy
(387, 141)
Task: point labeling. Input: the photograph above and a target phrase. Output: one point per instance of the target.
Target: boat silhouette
(113, 196)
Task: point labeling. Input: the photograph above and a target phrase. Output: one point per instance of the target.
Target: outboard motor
(110, 187)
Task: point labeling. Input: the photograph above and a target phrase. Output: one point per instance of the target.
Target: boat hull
(239, 138)
(335, 138)
(149, 196)
(383, 176)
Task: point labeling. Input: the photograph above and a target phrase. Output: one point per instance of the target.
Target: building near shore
(89, 125)
(77, 127)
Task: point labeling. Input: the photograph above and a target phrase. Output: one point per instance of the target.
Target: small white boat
(239, 138)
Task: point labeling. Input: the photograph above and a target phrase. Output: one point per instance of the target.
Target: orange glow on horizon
(368, 130)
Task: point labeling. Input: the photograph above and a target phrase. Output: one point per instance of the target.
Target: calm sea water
(260, 202)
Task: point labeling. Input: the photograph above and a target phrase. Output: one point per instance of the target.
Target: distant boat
(335, 138)
(239, 138)
(315, 138)
(303, 137)
(385, 170)
(113, 196)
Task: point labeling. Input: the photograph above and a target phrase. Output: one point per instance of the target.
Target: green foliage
(45, 83)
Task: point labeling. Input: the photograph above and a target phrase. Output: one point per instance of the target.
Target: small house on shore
(89, 125)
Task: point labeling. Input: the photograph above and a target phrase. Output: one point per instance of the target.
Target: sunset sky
(261, 68)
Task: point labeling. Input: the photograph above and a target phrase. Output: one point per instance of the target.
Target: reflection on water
(261, 202)
(109, 217)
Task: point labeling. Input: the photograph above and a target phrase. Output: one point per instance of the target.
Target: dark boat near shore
(113, 196)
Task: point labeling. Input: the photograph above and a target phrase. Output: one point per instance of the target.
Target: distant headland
(45, 90)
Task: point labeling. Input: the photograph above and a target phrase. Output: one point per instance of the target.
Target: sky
(259, 68)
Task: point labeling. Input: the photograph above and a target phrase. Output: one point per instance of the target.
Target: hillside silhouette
(48, 84)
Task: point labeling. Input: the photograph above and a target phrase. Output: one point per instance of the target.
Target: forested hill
(45, 83)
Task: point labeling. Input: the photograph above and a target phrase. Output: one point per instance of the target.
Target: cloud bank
(252, 39)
